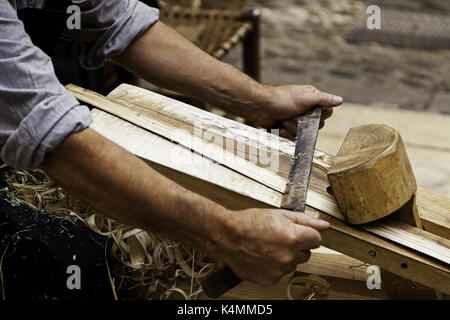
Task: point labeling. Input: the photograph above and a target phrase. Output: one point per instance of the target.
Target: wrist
(238, 93)
(222, 236)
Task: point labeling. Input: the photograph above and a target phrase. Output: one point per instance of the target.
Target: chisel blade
(297, 188)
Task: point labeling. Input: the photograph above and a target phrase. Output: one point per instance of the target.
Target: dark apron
(45, 27)
(38, 247)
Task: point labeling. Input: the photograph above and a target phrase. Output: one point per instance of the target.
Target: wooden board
(349, 240)
(331, 263)
(403, 234)
(194, 127)
(325, 202)
(340, 289)
(345, 275)
(435, 218)
(146, 108)
(182, 116)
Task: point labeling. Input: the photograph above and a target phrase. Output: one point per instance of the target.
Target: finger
(291, 126)
(308, 221)
(298, 258)
(307, 238)
(326, 113)
(324, 99)
(286, 134)
(303, 256)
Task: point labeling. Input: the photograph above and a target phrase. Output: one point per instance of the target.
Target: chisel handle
(220, 282)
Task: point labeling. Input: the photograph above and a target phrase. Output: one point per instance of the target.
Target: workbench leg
(252, 46)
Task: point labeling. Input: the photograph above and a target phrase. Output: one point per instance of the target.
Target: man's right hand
(260, 245)
(266, 244)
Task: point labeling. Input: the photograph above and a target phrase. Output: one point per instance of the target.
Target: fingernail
(338, 99)
(324, 224)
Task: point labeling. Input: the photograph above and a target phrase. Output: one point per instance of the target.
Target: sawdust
(149, 266)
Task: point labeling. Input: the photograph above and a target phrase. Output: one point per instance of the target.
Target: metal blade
(307, 131)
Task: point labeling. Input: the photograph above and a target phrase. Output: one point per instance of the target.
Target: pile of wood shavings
(148, 267)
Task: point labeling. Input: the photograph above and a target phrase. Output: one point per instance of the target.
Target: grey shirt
(36, 112)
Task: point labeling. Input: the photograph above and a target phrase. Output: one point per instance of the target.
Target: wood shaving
(148, 266)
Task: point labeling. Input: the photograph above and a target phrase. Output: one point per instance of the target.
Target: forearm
(124, 188)
(165, 58)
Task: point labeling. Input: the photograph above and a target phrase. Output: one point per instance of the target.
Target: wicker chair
(217, 30)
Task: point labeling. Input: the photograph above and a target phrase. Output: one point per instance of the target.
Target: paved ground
(304, 41)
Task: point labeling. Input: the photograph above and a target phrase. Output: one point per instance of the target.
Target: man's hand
(165, 58)
(284, 104)
(260, 245)
(266, 244)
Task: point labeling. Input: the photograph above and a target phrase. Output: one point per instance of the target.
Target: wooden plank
(346, 239)
(143, 97)
(326, 203)
(200, 174)
(401, 233)
(435, 218)
(420, 135)
(339, 270)
(331, 263)
(319, 198)
(258, 146)
(191, 115)
(185, 116)
(178, 111)
(374, 250)
(340, 289)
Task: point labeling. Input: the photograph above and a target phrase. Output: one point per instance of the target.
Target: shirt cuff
(113, 42)
(43, 130)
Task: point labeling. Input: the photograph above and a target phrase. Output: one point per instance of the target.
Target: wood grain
(371, 176)
(164, 125)
(341, 239)
(428, 145)
(415, 238)
(239, 194)
(434, 210)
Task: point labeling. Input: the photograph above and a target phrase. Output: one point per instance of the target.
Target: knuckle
(324, 96)
(291, 237)
(286, 259)
(310, 238)
(310, 88)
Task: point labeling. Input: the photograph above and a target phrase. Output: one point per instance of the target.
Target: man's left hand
(287, 103)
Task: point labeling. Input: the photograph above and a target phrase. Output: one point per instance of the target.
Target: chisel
(224, 279)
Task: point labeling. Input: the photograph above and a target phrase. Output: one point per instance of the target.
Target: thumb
(323, 99)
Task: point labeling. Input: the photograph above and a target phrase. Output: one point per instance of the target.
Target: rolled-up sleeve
(36, 112)
(108, 27)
